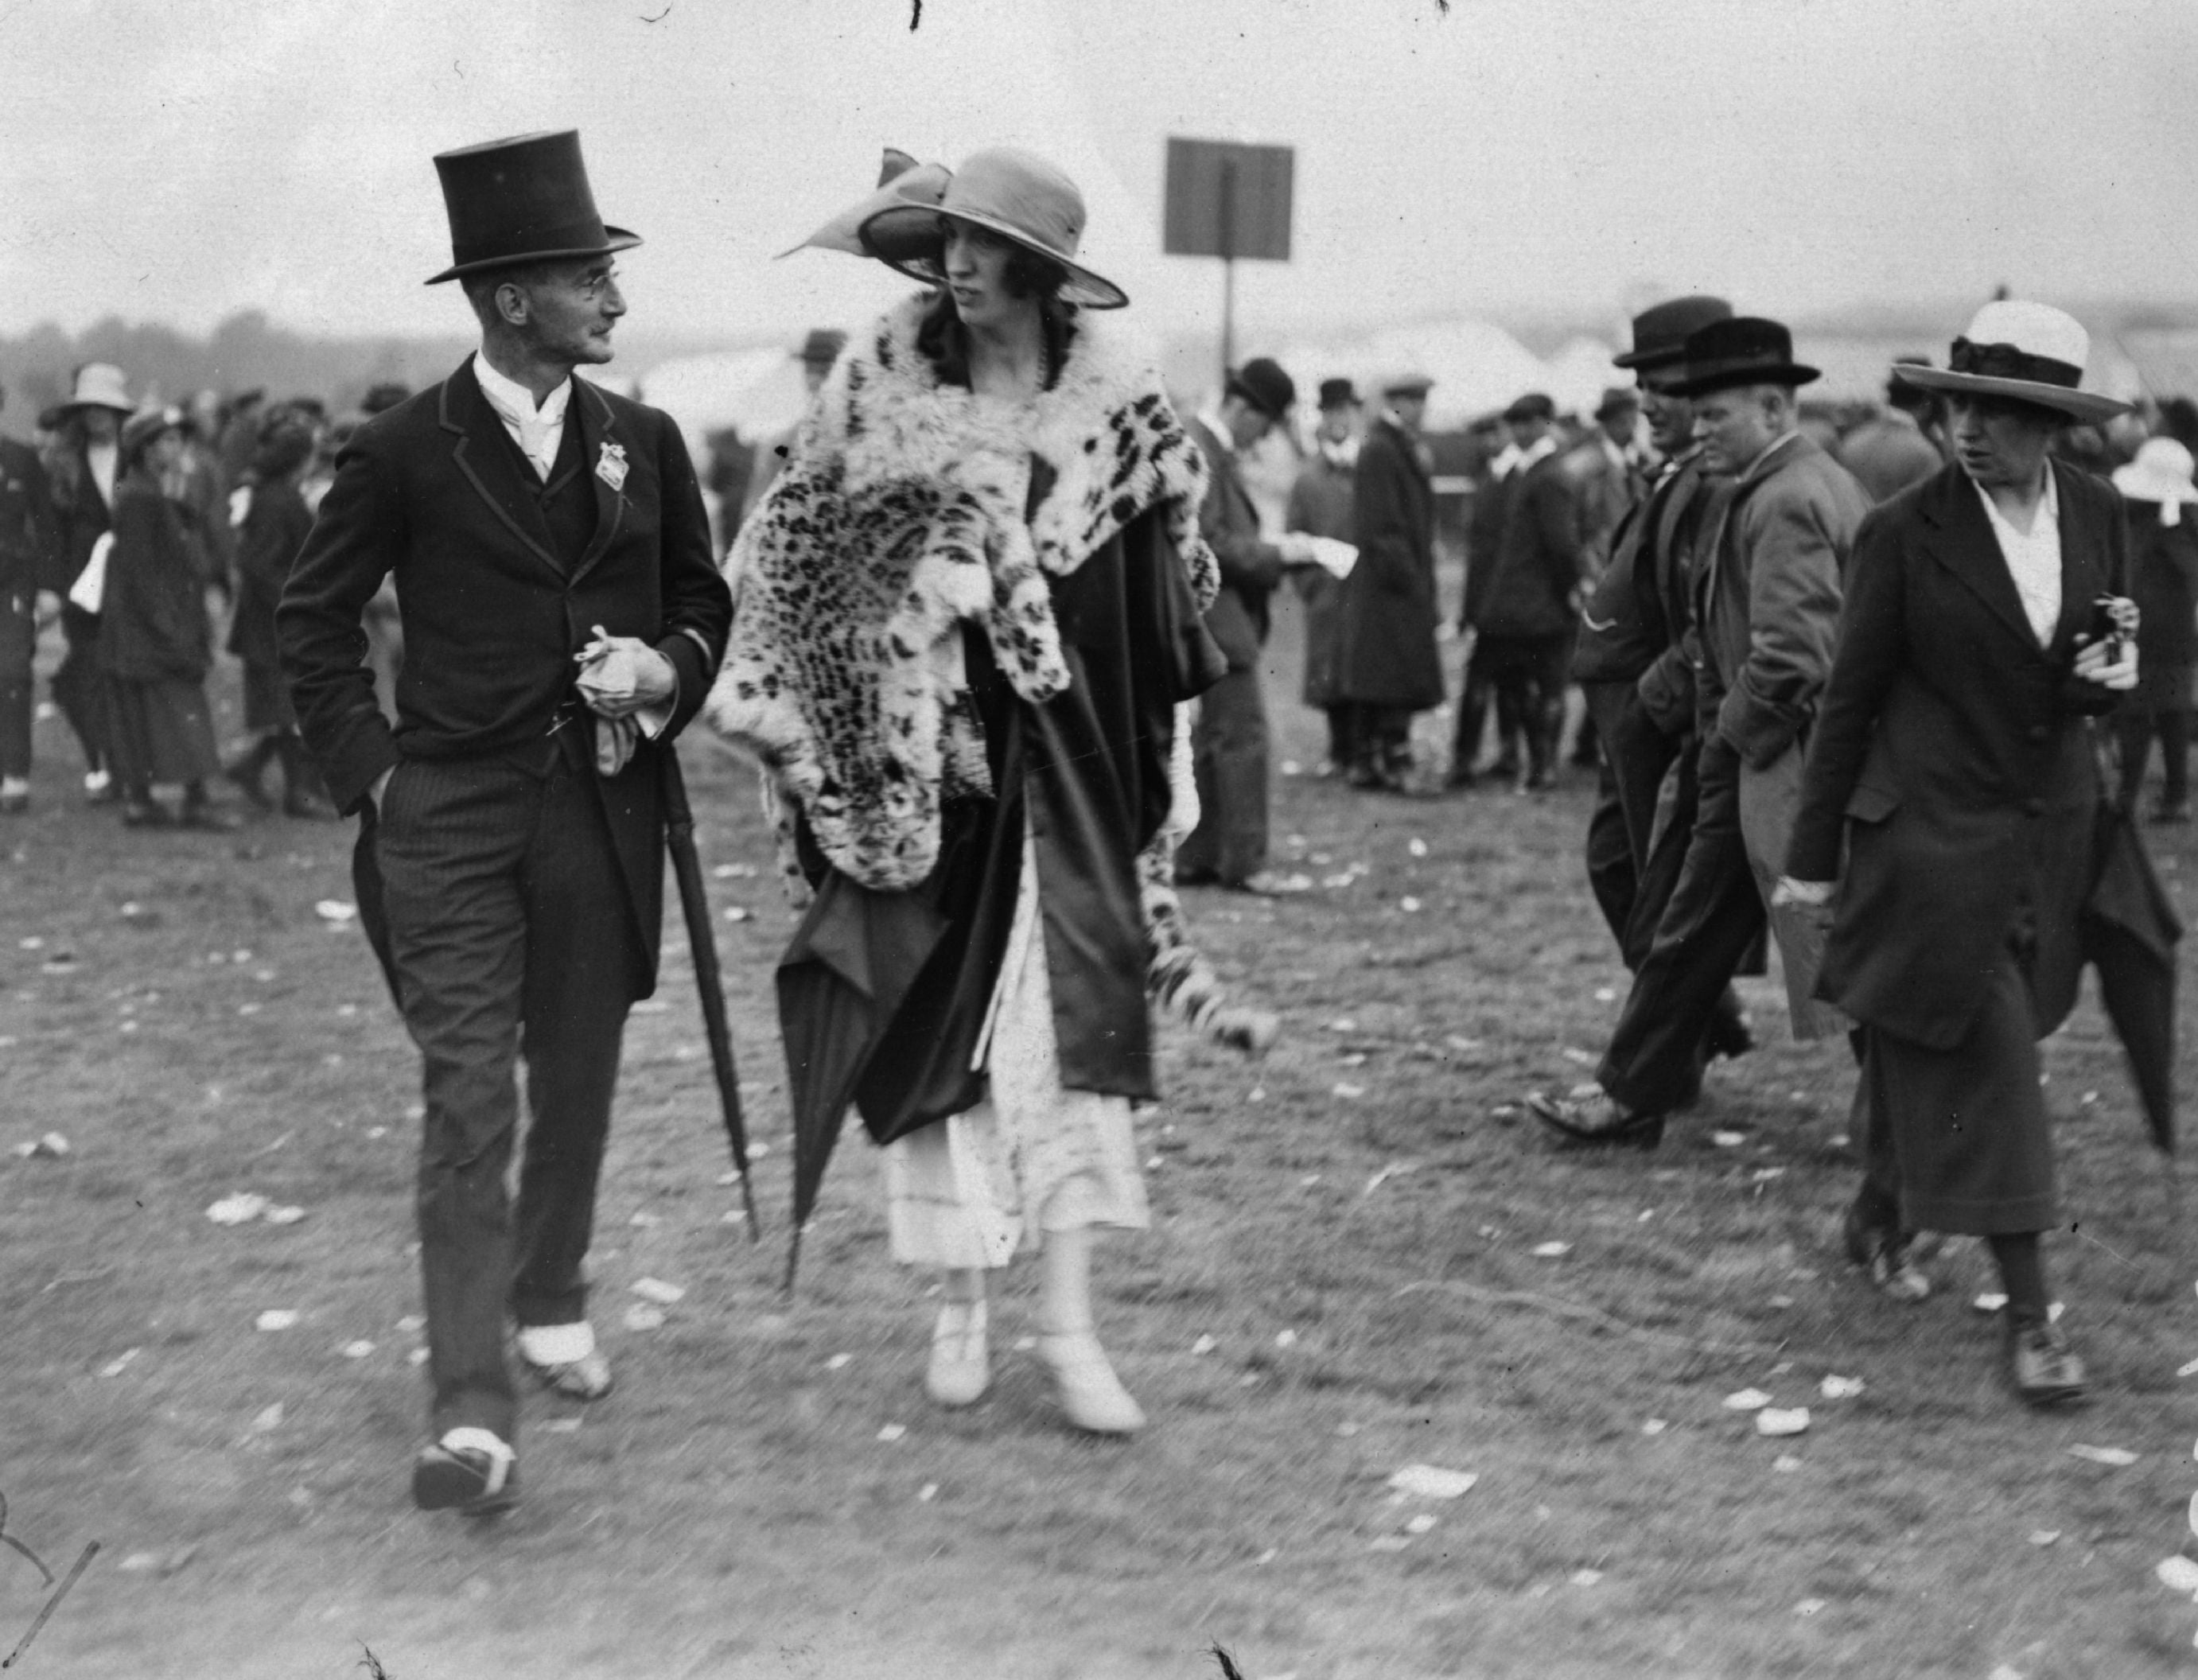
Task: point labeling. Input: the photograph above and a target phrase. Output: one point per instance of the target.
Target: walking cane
(701, 939)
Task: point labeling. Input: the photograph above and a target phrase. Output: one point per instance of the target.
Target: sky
(182, 159)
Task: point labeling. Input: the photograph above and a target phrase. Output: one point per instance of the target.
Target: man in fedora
(1228, 746)
(1766, 604)
(1321, 505)
(30, 542)
(563, 620)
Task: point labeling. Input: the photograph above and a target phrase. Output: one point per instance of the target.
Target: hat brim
(74, 403)
(905, 239)
(2083, 407)
(615, 239)
(1644, 360)
(1788, 374)
(921, 187)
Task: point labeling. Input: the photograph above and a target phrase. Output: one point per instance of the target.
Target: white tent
(1476, 366)
(759, 392)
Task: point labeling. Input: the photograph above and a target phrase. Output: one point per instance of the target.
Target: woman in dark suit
(1954, 755)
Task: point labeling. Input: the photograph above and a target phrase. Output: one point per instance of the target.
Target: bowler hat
(1661, 331)
(520, 201)
(100, 385)
(821, 348)
(1015, 194)
(1337, 394)
(1532, 406)
(1263, 384)
(1744, 349)
(901, 181)
(2030, 352)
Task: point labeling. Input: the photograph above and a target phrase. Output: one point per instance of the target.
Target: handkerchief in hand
(611, 676)
(614, 743)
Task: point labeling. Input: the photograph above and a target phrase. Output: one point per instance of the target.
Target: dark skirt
(1970, 1129)
(266, 699)
(161, 730)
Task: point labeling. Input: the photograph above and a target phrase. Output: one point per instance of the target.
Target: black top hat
(1263, 384)
(1745, 349)
(1337, 394)
(1660, 332)
(1532, 406)
(520, 201)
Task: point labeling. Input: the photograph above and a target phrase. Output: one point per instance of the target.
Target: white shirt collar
(2032, 561)
(538, 430)
(1540, 449)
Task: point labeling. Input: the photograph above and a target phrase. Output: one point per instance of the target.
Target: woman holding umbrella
(968, 609)
(1984, 629)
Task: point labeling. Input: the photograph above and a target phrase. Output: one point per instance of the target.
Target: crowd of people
(991, 624)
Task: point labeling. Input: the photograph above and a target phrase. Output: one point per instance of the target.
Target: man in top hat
(1767, 606)
(818, 352)
(563, 621)
(1320, 505)
(1390, 666)
(30, 541)
(1228, 746)
(81, 469)
(1891, 450)
(1631, 662)
(1523, 610)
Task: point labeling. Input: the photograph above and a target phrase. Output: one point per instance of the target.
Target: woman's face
(163, 452)
(975, 262)
(2001, 444)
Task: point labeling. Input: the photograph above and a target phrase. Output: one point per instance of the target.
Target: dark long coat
(152, 612)
(430, 490)
(275, 529)
(1387, 654)
(1541, 560)
(1956, 756)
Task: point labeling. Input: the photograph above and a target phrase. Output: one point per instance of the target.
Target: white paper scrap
(1430, 1481)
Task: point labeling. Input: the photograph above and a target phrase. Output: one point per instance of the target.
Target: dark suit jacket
(1639, 606)
(30, 534)
(1955, 753)
(1541, 559)
(432, 491)
(1251, 566)
(1388, 613)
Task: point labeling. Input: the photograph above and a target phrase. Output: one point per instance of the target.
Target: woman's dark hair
(945, 342)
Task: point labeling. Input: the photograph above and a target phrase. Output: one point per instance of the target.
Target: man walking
(29, 548)
(1321, 505)
(1390, 666)
(562, 619)
(1228, 746)
(1767, 603)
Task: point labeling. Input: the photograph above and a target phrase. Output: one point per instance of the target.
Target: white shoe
(565, 1359)
(1092, 1396)
(961, 1369)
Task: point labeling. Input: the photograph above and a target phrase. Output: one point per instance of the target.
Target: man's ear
(513, 307)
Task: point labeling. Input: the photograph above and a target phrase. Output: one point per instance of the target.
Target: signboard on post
(1228, 200)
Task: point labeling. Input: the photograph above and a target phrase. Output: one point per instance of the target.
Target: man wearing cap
(1632, 663)
(1228, 746)
(818, 352)
(81, 469)
(562, 619)
(1390, 666)
(30, 541)
(1523, 614)
(1320, 505)
(1766, 604)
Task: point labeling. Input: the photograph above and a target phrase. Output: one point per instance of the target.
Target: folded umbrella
(2129, 929)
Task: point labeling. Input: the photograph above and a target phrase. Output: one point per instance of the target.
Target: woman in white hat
(2164, 570)
(968, 610)
(1953, 765)
(82, 463)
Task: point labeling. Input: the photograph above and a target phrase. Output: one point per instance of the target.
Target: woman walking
(273, 529)
(2164, 574)
(1954, 754)
(968, 609)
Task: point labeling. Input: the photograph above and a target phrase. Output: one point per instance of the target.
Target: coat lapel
(598, 428)
(476, 450)
(1963, 541)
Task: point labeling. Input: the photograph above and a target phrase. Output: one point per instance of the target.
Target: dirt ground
(1363, 1259)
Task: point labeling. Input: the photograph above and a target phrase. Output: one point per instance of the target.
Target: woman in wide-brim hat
(2163, 517)
(81, 465)
(968, 609)
(1952, 766)
(156, 644)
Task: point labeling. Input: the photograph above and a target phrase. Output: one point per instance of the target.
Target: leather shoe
(1092, 1396)
(468, 1471)
(2043, 1367)
(960, 1369)
(1597, 1121)
(1729, 1035)
(1887, 1254)
(587, 1378)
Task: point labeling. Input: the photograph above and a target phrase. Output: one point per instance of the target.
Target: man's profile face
(1671, 418)
(570, 308)
(1338, 421)
(1736, 426)
(1411, 407)
(1527, 430)
(1247, 425)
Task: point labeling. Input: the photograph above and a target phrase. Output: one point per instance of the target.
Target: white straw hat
(2032, 352)
(1016, 195)
(2161, 472)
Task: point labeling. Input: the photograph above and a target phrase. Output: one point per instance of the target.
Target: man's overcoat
(1388, 655)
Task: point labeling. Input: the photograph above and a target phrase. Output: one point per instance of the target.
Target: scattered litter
(645, 1220)
(1353, 1058)
(732, 1216)
(1586, 1578)
(652, 1006)
(357, 1350)
(2088, 1097)
(418, 1356)
(1028, 1343)
(926, 1493)
(33, 942)
(1776, 1421)
(412, 1323)
(1644, 1216)
(61, 962)
(1653, 1426)
(119, 1363)
(1809, 1606)
(1571, 1054)
(346, 1010)
(1346, 1430)
(284, 1215)
(728, 1178)
(1266, 1557)
(1551, 1251)
(2187, 1369)
(1154, 1164)
(644, 1318)
(734, 872)
(1604, 994)
(50, 1147)
(2043, 1536)
(560, 1425)
(1763, 1175)
(1313, 1178)
(2179, 1574)
(1462, 1046)
(1728, 1140)
(1430, 1481)
(332, 909)
(1204, 1344)
(2193, 1513)
(839, 1361)
(1422, 1524)
(1292, 767)
(1286, 1339)
(1780, 1303)
(2119, 1457)
(1333, 881)
(1387, 1543)
(248, 1009)
(1746, 1400)
(275, 1319)
(1989, 1302)
(1343, 1024)
(1839, 1388)
(1416, 846)
(271, 1418)
(657, 1290)
(1349, 1090)
(892, 1432)
(1257, 1093)
(1408, 905)
(736, 913)
(1786, 1464)
(2053, 1311)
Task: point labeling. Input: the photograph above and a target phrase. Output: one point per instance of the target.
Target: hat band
(2008, 361)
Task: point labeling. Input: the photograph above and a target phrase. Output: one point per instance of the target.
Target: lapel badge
(610, 466)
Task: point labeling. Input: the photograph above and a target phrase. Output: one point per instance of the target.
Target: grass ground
(1342, 1280)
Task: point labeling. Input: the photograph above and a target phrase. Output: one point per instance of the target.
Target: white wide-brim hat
(2030, 352)
(2161, 472)
(100, 385)
(1015, 194)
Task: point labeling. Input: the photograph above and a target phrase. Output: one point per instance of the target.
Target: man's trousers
(80, 690)
(18, 646)
(1229, 758)
(509, 937)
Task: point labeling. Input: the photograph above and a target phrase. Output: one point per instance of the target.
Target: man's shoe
(100, 788)
(961, 1368)
(1195, 877)
(1270, 884)
(1596, 1121)
(1887, 1254)
(14, 800)
(2041, 1366)
(472, 1472)
(1729, 1035)
(565, 1360)
(146, 814)
(244, 775)
(296, 803)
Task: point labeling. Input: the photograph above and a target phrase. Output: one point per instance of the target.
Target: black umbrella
(841, 982)
(702, 941)
(2129, 929)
